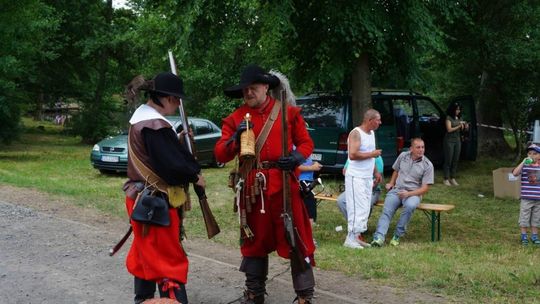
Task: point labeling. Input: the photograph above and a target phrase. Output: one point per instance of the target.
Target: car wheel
(217, 164)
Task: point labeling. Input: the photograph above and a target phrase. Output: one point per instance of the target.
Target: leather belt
(268, 164)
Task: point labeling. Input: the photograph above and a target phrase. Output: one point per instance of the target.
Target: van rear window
(322, 112)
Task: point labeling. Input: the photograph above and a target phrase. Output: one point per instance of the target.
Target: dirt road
(53, 252)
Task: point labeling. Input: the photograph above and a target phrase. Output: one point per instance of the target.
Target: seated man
(413, 173)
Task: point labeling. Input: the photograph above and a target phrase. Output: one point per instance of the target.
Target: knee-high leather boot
(256, 270)
(304, 284)
(144, 290)
(179, 290)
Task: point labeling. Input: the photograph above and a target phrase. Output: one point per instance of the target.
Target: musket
(212, 227)
(183, 116)
(296, 256)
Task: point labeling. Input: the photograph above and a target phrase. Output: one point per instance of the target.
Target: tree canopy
(24, 29)
(87, 51)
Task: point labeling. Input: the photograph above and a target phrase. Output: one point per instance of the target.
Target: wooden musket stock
(212, 227)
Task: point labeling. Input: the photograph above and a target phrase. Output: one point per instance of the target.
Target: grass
(479, 258)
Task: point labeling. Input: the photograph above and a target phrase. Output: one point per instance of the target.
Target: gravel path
(53, 252)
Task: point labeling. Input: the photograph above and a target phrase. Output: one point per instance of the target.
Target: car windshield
(327, 112)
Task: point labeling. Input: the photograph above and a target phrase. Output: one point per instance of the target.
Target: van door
(391, 133)
(327, 120)
(469, 140)
(429, 119)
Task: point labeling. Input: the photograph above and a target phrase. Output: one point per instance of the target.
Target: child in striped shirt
(529, 213)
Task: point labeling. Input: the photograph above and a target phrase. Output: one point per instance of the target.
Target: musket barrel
(296, 256)
(212, 227)
(172, 63)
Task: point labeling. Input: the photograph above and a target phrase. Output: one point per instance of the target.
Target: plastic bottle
(528, 161)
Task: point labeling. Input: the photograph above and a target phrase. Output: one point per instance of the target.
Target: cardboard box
(505, 185)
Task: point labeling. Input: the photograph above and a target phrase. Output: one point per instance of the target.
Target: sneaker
(394, 241)
(447, 183)
(377, 242)
(524, 242)
(360, 239)
(352, 242)
(536, 242)
(454, 182)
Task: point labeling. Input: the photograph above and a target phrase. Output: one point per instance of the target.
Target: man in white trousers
(359, 177)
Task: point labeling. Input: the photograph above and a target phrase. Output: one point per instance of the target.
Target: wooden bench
(432, 212)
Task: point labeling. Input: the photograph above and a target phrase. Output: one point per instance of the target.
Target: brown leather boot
(251, 298)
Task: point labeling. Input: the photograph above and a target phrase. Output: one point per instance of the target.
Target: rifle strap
(261, 139)
(177, 194)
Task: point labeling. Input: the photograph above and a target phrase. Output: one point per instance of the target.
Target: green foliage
(331, 36)
(84, 50)
(82, 55)
(23, 32)
(9, 119)
(492, 48)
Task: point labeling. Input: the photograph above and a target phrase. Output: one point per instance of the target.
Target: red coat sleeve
(226, 148)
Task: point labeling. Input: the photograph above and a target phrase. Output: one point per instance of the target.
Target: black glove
(290, 162)
(241, 128)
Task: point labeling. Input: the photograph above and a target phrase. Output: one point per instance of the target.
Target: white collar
(146, 112)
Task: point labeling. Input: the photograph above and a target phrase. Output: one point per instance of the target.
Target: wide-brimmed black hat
(169, 84)
(252, 74)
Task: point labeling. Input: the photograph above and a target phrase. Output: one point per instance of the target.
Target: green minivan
(404, 115)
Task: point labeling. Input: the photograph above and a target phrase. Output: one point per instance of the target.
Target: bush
(10, 120)
(94, 123)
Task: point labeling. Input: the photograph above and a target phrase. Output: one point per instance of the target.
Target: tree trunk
(40, 103)
(103, 61)
(361, 88)
(490, 140)
(95, 110)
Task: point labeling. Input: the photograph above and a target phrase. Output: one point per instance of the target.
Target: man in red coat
(259, 195)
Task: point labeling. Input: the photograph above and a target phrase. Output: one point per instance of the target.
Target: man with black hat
(260, 190)
(158, 167)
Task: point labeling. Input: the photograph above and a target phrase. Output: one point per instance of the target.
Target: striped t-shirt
(530, 183)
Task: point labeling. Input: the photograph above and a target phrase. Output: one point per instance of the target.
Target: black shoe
(303, 300)
(141, 298)
(251, 298)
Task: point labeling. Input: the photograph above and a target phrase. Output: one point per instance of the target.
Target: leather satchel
(152, 210)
